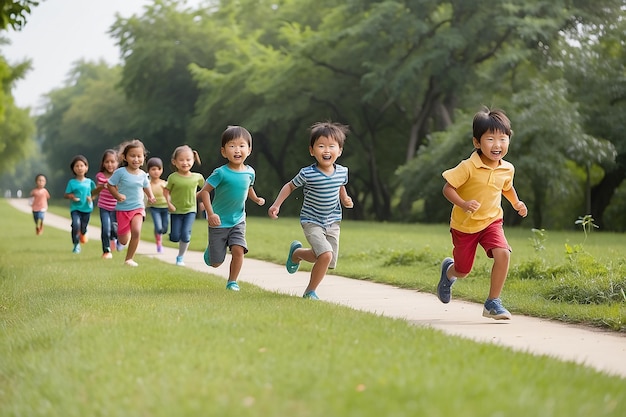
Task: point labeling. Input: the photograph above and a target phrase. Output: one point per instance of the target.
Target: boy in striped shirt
(324, 192)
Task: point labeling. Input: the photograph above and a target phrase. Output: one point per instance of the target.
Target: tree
(595, 66)
(13, 13)
(16, 127)
(86, 116)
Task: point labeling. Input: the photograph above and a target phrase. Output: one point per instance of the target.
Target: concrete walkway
(602, 350)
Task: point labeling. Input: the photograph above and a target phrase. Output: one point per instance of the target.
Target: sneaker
(76, 248)
(292, 266)
(207, 259)
(179, 261)
(83, 238)
(159, 249)
(118, 246)
(495, 310)
(443, 288)
(130, 262)
(107, 255)
(310, 295)
(232, 286)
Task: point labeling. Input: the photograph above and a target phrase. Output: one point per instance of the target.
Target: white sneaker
(130, 262)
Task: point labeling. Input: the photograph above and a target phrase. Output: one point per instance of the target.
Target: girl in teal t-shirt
(78, 191)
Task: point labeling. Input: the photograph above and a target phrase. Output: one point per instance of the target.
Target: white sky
(59, 33)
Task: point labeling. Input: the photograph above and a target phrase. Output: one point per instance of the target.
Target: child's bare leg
(135, 233)
(236, 262)
(304, 254)
(123, 239)
(499, 271)
(320, 267)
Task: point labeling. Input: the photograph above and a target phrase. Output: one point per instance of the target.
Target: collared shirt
(474, 180)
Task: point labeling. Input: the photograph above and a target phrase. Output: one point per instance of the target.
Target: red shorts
(125, 217)
(465, 245)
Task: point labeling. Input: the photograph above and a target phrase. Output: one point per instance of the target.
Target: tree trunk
(602, 193)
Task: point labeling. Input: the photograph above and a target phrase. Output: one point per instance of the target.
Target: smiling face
(236, 151)
(493, 147)
(110, 163)
(134, 157)
(183, 161)
(325, 150)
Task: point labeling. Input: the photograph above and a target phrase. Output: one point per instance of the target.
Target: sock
(182, 248)
(159, 239)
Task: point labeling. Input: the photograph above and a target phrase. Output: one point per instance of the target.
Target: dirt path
(602, 350)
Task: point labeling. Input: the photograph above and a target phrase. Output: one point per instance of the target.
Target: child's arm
(115, 193)
(205, 196)
(168, 198)
(517, 204)
(346, 200)
(282, 196)
(252, 196)
(148, 192)
(453, 196)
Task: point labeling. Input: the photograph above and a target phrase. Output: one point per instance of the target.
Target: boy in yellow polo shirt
(475, 187)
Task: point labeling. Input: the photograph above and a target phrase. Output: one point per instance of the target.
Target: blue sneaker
(292, 267)
(310, 295)
(495, 310)
(207, 259)
(180, 261)
(76, 248)
(232, 286)
(443, 288)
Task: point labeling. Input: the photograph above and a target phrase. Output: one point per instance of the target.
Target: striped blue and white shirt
(321, 203)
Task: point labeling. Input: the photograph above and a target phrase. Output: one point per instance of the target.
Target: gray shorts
(221, 238)
(323, 239)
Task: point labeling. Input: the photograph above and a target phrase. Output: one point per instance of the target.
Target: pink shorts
(465, 245)
(125, 217)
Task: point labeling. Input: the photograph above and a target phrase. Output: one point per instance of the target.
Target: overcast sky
(59, 33)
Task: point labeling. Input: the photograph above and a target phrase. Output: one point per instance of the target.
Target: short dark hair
(155, 162)
(235, 132)
(491, 121)
(335, 131)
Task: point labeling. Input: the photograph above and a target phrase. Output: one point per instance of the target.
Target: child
(39, 197)
(126, 185)
(475, 187)
(158, 210)
(78, 191)
(106, 203)
(181, 197)
(324, 188)
(226, 215)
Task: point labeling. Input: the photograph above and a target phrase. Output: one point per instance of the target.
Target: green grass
(78, 338)
(586, 287)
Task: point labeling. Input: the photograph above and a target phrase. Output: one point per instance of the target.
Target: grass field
(80, 339)
(583, 286)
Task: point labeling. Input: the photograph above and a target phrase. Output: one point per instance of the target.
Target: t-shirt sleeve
(115, 178)
(214, 179)
(456, 176)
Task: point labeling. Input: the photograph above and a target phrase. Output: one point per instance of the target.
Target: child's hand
(171, 207)
(121, 198)
(521, 209)
(214, 220)
(273, 212)
(152, 200)
(75, 198)
(471, 206)
(260, 201)
(347, 202)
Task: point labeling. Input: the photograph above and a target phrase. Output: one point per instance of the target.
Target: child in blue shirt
(78, 191)
(226, 213)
